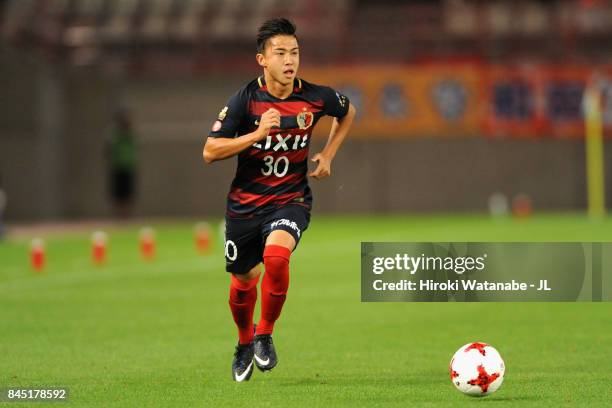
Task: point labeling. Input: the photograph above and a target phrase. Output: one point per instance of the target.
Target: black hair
(271, 28)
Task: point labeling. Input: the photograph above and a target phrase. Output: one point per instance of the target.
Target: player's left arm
(339, 130)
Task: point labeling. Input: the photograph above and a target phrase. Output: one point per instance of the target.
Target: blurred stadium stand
(513, 71)
(137, 31)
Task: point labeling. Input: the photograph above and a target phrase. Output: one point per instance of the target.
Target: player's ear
(261, 60)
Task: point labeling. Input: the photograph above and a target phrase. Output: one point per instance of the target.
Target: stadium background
(457, 100)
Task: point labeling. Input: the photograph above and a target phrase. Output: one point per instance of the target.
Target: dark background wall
(54, 122)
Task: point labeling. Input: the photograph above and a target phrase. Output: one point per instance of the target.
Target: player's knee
(242, 291)
(246, 281)
(276, 256)
(250, 275)
(276, 261)
(277, 274)
(281, 238)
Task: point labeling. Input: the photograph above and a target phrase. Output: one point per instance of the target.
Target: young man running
(268, 123)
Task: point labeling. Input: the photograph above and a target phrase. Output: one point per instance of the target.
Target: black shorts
(245, 238)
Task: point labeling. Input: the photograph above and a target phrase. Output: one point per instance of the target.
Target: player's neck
(276, 89)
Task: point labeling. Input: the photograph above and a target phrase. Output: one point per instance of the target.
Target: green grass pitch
(152, 334)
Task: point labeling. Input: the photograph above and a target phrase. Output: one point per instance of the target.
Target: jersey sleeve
(231, 116)
(335, 103)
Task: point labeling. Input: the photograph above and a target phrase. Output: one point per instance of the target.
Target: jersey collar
(297, 84)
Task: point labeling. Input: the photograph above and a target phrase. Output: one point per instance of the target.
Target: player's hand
(269, 119)
(323, 169)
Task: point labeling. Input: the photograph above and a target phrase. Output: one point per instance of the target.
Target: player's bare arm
(219, 148)
(339, 130)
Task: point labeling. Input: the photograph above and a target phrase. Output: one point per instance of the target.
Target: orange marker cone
(98, 247)
(37, 254)
(147, 243)
(522, 206)
(202, 237)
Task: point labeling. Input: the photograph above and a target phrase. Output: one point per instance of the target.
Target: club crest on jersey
(222, 114)
(304, 120)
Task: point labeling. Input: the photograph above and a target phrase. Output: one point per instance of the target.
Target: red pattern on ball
(484, 379)
(477, 346)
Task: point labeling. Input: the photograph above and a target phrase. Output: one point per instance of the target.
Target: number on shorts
(231, 251)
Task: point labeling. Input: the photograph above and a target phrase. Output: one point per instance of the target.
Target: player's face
(281, 58)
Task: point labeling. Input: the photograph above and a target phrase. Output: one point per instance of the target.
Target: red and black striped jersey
(273, 172)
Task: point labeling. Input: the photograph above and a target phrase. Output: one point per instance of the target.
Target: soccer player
(268, 124)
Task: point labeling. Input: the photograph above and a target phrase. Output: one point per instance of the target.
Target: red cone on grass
(147, 243)
(99, 242)
(202, 237)
(38, 256)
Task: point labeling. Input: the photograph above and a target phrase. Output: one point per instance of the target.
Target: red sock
(243, 296)
(274, 286)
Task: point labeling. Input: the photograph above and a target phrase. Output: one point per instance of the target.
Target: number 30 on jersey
(278, 167)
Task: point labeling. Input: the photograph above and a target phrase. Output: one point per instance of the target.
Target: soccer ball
(477, 369)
